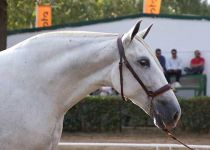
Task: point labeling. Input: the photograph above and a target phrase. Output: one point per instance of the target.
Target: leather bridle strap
(150, 94)
(124, 60)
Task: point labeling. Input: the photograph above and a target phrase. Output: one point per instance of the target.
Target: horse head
(152, 93)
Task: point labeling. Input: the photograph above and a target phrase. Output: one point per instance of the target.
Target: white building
(185, 33)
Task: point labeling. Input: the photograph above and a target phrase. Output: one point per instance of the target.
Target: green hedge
(195, 114)
(110, 113)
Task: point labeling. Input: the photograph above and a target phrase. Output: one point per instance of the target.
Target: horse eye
(144, 62)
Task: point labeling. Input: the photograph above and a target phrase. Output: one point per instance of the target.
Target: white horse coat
(44, 76)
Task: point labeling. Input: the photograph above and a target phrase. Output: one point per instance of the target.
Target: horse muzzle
(166, 114)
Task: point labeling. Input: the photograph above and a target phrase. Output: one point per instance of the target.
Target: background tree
(3, 23)
(21, 13)
(186, 7)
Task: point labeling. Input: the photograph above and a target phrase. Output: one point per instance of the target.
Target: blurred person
(161, 59)
(196, 64)
(174, 68)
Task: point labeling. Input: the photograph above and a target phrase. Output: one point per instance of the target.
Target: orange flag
(43, 15)
(152, 6)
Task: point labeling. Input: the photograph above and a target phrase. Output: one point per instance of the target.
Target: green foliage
(94, 114)
(196, 114)
(100, 114)
(186, 7)
(21, 13)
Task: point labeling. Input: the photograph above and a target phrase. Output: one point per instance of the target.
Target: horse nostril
(176, 115)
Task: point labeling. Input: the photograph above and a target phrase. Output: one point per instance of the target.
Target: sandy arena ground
(139, 136)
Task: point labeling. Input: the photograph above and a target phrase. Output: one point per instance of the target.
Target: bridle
(151, 94)
(123, 60)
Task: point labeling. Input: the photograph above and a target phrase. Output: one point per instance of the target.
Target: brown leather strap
(121, 78)
(150, 94)
(162, 90)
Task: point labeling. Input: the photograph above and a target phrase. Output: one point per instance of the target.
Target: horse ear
(128, 37)
(145, 32)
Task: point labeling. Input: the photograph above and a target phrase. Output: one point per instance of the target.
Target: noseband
(123, 60)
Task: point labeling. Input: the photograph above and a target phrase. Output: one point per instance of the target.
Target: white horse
(44, 76)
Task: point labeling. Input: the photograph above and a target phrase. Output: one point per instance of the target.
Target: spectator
(174, 68)
(196, 64)
(161, 59)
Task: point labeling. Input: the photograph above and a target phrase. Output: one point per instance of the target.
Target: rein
(151, 94)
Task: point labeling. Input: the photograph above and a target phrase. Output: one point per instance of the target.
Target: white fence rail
(156, 146)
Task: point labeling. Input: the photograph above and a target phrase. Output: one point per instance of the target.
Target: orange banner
(43, 15)
(152, 6)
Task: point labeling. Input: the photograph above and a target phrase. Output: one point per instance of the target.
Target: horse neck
(79, 65)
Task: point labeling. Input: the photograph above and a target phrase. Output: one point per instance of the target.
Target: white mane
(78, 33)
